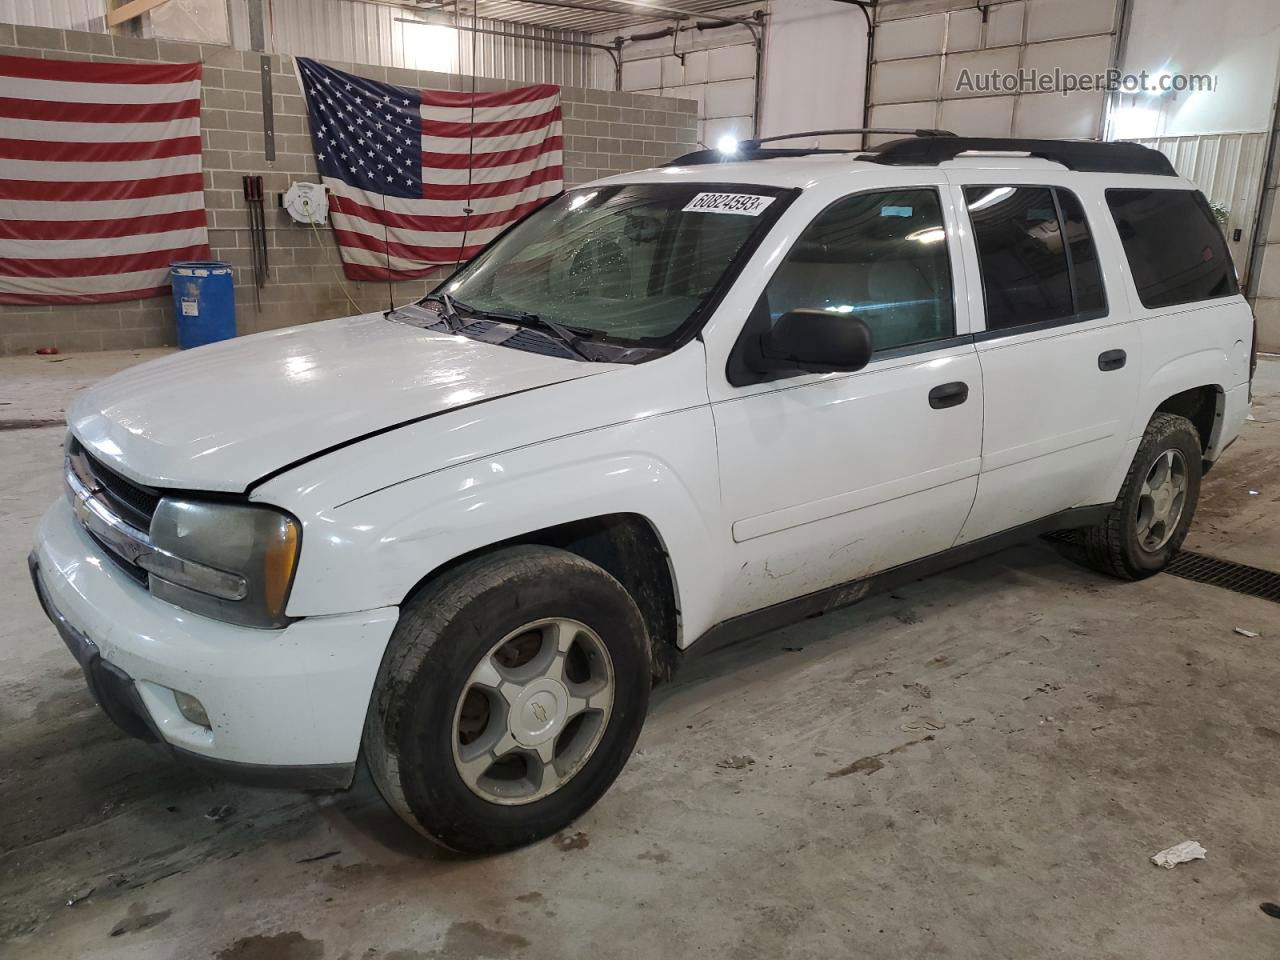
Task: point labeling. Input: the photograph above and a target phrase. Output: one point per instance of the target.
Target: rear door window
(1036, 254)
(1175, 249)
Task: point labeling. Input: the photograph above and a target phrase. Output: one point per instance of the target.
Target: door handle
(1112, 359)
(949, 395)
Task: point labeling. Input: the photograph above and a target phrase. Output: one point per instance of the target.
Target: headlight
(229, 561)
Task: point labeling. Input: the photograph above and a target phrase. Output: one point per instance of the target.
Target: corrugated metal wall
(87, 15)
(1228, 168)
(387, 36)
(358, 32)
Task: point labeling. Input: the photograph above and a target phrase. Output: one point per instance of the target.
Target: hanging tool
(253, 197)
(258, 200)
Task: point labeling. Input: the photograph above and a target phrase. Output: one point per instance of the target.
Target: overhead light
(728, 145)
(432, 46)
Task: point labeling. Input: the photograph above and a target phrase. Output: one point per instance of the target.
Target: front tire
(511, 695)
(1151, 517)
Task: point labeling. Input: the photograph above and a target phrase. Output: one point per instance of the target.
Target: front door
(828, 478)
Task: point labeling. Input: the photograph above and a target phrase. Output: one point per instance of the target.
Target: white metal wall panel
(1051, 116)
(642, 74)
(924, 49)
(1004, 24)
(964, 30)
(1057, 20)
(1086, 55)
(911, 116)
(716, 68)
(731, 98)
(87, 15)
(1228, 168)
(904, 81)
(913, 37)
(1003, 60)
(198, 21)
(979, 117)
(737, 62)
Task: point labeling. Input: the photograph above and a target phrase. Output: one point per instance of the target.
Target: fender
(371, 551)
(1201, 368)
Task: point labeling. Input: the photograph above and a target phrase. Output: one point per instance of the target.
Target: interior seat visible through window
(881, 257)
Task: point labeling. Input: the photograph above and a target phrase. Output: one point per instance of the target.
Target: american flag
(418, 178)
(100, 179)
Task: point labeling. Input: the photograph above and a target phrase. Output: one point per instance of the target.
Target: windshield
(631, 263)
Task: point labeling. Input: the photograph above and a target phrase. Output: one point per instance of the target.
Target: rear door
(1060, 358)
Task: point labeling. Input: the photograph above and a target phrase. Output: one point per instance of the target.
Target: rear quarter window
(1175, 249)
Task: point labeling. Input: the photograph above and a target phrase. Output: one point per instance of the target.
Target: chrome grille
(115, 525)
(134, 504)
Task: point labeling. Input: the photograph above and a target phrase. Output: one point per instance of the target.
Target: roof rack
(1087, 156)
(754, 150)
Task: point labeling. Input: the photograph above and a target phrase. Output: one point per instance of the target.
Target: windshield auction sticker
(744, 204)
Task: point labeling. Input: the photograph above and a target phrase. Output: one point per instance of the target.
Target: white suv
(465, 535)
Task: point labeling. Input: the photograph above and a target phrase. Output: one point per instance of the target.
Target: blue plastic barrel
(204, 300)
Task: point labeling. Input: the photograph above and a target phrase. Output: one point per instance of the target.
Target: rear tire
(471, 735)
(1151, 517)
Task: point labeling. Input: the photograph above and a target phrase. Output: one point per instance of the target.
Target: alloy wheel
(533, 711)
(1161, 500)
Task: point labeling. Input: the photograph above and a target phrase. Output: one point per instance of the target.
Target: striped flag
(100, 179)
(418, 178)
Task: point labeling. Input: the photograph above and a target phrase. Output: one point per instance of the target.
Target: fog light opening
(192, 709)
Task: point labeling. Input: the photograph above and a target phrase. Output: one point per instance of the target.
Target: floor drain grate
(1189, 565)
(1237, 577)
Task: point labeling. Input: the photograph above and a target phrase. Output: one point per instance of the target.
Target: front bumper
(287, 707)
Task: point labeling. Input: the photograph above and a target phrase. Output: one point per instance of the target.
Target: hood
(220, 417)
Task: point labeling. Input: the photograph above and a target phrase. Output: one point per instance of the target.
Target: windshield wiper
(450, 312)
(558, 331)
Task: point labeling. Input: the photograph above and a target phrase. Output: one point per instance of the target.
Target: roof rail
(753, 149)
(917, 132)
(1089, 156)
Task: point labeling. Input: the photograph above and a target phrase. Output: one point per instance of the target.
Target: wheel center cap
(538, 714)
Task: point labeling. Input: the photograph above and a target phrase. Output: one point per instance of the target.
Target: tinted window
(1025, 277)
(878, 256)
(1091, 297)
(1175, 249)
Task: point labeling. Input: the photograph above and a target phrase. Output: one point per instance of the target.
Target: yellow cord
(306, 206)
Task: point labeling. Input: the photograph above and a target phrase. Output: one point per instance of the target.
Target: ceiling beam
(638, 8)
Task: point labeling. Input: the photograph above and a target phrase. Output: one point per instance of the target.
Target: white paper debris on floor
(1182, 852)
(1246, 633)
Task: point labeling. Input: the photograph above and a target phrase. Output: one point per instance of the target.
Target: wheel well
(629, 549)
(1200, 405)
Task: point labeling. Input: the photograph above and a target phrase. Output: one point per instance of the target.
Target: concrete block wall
(605, 132)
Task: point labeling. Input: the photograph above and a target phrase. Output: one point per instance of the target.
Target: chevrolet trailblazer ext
(462, 536)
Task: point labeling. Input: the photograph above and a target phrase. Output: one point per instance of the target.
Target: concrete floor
(979, 765)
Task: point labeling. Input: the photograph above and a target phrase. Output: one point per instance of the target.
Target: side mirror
(815, 341)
